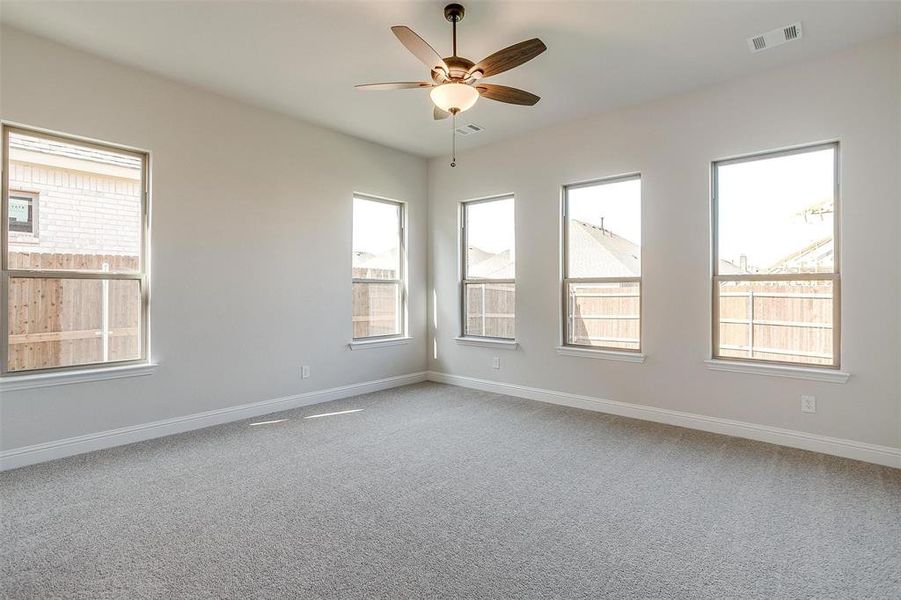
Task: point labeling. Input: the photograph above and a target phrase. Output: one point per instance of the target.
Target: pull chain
(454, 139)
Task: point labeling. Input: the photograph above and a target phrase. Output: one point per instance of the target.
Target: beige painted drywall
(251, 239)
(853, 97)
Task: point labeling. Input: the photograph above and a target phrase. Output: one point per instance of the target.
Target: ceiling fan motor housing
(457, 68)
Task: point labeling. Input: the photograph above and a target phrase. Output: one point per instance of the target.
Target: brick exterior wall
(79, 212)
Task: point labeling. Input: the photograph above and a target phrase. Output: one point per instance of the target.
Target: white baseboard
(872, 453)
(29, 455)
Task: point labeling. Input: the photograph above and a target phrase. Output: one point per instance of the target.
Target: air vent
(469, 129)
(776, 37)
(792, 32)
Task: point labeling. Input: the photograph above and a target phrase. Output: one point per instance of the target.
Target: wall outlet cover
(808, 404)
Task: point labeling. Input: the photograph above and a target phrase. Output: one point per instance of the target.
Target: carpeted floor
(432, 491)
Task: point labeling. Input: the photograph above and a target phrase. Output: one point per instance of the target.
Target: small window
(489, 268)
(776, 292)
(23, 213)
(379, 288)
(602, 264)
(75, 295)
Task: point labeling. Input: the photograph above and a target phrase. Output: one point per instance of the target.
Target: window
(489, 268)
(776, 293)
(23, 215)
(379, 289)
(602, 264)
(77, 294)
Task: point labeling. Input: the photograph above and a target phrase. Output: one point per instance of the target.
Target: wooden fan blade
(439, 114)
(506, 59)
(419, 48)
(396, 85)
(510, 95)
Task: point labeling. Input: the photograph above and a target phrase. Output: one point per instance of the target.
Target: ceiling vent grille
(469, 129)
(776, 37)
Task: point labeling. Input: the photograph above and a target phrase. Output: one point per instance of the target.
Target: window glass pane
(776, 215)
(604, 229)
(89, 213)
(21, 214)
(789, 321)
(490, 240)
(604, 315)
(376, 309)
(376, 240)
(66, 322)
(490, 310)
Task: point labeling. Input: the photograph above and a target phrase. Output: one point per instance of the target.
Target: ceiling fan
(456, 82)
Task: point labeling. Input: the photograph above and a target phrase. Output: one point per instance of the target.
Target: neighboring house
(817, 257)
(594, 250)
(66, 199)
(376, 266)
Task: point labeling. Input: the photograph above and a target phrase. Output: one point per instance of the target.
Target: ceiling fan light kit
(454, 97)
(456, 82)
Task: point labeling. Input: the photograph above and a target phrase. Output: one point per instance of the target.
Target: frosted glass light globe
(454, 96)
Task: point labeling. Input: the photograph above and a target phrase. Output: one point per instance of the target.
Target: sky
(376, 226)
(490, 225)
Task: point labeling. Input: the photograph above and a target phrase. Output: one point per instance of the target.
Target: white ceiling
(303, 58)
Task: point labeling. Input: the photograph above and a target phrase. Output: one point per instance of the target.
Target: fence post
(484, 291)
(104, 314)
(750, 323)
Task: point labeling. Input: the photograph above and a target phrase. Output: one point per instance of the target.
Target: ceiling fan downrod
(454, 13)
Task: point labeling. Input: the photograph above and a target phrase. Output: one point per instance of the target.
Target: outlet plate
(808, 404)
(305, 372)
(496, 362)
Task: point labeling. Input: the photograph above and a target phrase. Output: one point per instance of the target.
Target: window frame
(566, 280)
(35, 197)
(142, 275)
(834, 276)
(465, 281)
(401, 282)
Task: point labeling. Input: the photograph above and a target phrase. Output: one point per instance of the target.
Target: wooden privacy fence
(490, 309)
(605, 316)
(777, 321)
(62, 322)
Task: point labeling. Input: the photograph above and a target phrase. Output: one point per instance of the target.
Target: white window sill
(487, 342)
(379, 343)
(632, 357)
(809, 373)
(9, 383)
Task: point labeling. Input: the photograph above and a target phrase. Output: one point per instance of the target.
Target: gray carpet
(432, 491)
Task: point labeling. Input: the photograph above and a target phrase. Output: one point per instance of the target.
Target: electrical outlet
(305, 371)
(808, 404)
(496, 362)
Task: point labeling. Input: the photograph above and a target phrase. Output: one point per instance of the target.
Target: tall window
(775, 257)
(489, 268)
(74, 282)
(602, 264)
(379, 291)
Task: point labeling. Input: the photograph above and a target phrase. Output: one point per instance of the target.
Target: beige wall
(241, 194)
(251, 243)
(852, 97)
